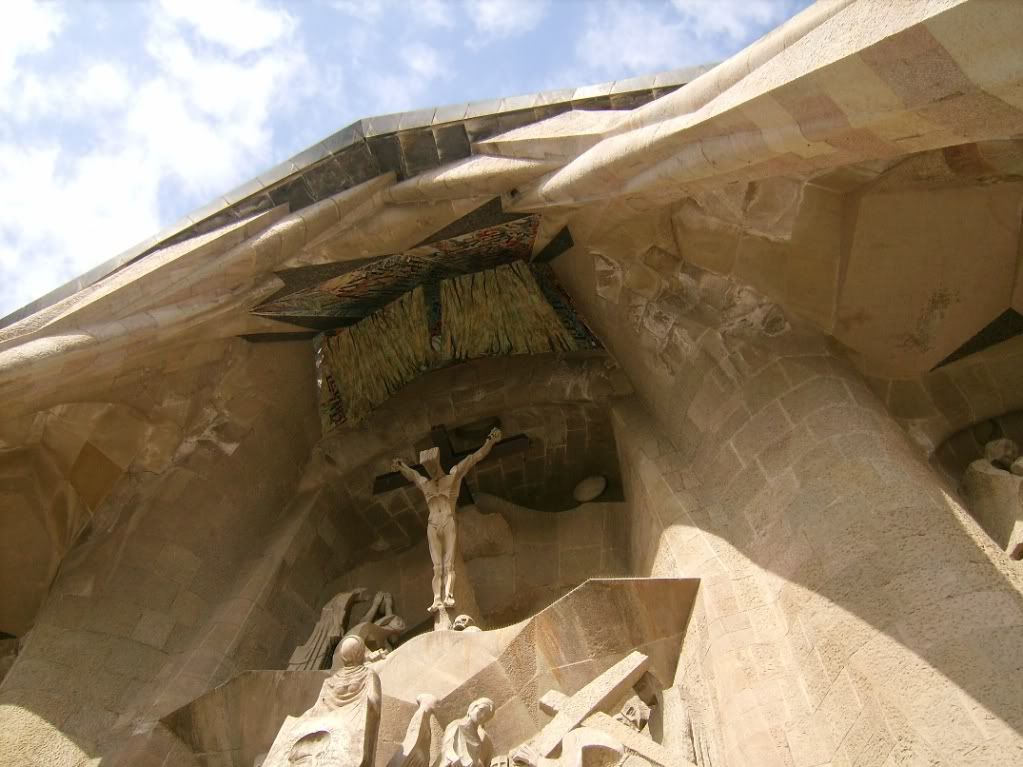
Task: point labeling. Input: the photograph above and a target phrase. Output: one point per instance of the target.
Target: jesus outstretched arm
(466, 464)
(407, 471)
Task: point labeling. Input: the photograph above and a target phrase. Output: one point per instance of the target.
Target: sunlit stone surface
(777, 305)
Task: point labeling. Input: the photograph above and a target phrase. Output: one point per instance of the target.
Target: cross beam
(449, 457)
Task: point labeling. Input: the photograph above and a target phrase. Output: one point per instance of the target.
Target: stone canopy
(775, 305)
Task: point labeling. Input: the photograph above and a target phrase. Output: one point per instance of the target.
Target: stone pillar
(849, 612)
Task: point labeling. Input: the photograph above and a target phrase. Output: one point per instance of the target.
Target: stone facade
(800, 282)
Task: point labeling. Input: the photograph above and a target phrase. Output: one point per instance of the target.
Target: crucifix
(440, 482)
(449, 458)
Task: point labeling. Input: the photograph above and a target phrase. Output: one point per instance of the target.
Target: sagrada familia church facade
(668, 422)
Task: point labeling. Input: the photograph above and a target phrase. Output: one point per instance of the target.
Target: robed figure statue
(340, 730)
(466, 743)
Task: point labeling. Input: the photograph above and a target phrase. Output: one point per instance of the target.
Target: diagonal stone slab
(610, 685)
(554, 701)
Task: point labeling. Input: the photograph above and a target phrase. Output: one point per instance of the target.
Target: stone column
(850, 612)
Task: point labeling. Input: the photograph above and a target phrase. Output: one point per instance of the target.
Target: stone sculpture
(340, 730)
(441, 492)
(378, 628)
(635, 714)
(415, 748)
(465, 623)
(582, 712)
(466, 743)
(993, 489)
(1001, 453)
(580, 747)
(590, 489)
(318, 649)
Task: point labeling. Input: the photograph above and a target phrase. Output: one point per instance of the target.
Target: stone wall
(850, 612)
(936, 405)
(217, 564)
(559, 402)
(334, 525)
(63, 470)
(517, 559)
(144, 614)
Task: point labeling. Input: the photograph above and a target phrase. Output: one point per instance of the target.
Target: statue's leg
(450, 547)
(433, 537)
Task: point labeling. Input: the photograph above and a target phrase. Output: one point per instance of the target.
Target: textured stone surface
(775, 257)
(341, 727)
(994, 497)
(563, 647)
(609, 686)
(515, 564)
(638, 743)
(754, 435)
(153, 607)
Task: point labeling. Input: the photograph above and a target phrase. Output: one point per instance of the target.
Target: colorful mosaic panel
(348, 294)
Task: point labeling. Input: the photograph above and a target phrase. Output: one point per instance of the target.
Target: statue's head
(462, 622)
(1001, 453)
(634, 713)
(352, 651)
(430, 460)
(395, 624)
(481, 710)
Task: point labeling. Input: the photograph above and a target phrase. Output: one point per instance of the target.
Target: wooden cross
(448, 459)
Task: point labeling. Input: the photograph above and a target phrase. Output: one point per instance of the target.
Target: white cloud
(425, 62)
(367, 11)
(496, 19)
(736, 19)
(432, 13)
(436, 13)
(185, 118)
(63, 217)
(640, 37)
(644, 38)
(241, 26)
(384, 43)
(104, 84)
(97, 87)
(28, 27)
(398, 91)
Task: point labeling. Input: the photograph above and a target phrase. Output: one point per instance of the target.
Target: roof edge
(255, 195)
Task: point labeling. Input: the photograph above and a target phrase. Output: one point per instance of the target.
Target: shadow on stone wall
(849, 608)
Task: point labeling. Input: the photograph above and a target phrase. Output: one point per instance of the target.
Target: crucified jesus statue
(441, 492)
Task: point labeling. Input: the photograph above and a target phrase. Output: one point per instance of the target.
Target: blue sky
(119, 117)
